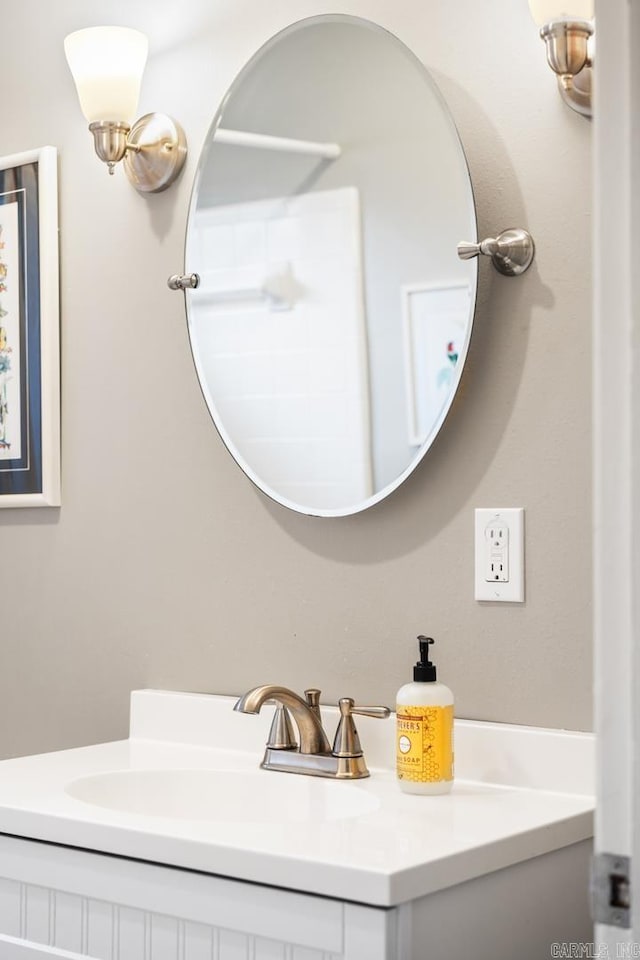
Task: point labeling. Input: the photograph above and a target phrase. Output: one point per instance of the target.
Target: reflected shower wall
(281, 333)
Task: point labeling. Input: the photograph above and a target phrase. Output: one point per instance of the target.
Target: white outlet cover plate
(511, 591)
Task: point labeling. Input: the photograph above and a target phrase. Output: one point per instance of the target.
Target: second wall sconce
(568, 30)
(107, 64)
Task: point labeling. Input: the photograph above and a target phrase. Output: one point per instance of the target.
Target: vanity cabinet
(67, 903)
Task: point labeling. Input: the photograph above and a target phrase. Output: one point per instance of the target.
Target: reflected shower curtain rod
(274, 301)
(260, 141)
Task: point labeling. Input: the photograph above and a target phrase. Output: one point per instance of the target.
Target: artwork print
(10, 339)
(29, 351)
(436, 329)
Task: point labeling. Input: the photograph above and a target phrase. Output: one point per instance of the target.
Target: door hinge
(611, 889)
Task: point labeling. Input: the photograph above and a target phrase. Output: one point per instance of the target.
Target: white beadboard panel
(100, 929)
(10, 907)
(303, 953)
(166, 940)
(39, 914)
(198, 941)
(132, 934)
(232, 946)
(70, 922)
(272, 950)
(269, 950)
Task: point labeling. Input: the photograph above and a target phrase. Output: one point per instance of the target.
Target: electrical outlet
(496, 539)
(499, 554)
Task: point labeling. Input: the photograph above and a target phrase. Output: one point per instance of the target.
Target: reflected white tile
(217, 246)
(250, 242)
(327, 371)
(283, 238)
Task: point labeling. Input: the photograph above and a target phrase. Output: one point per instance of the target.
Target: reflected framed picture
(435, 321)
(29, 330)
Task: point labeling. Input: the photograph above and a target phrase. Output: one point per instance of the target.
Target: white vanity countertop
(519, 792)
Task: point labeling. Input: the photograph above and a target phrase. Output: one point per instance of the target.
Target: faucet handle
(312, 696)
(347, 741)
(380, 712)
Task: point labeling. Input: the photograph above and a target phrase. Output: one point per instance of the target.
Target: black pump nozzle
(424, 671)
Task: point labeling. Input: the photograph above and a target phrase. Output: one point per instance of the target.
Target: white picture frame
(434, 316)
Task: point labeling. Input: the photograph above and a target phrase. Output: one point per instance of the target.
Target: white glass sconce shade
(544, 11)
(107, 64)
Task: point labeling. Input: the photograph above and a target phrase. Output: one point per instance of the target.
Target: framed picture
(29, 330)
(436, 324)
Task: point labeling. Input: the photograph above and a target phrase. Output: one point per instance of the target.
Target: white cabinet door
(73, 905)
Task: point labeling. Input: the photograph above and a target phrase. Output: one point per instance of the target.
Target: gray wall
(165, 567)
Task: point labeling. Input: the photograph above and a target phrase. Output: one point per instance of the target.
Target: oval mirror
(333, 316)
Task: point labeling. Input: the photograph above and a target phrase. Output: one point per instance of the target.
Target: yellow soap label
(424, 745)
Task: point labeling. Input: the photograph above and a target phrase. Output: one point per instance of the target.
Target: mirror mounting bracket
(183, 281)
(511, 252)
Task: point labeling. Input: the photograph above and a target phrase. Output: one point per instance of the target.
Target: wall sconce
(107, 65)
(567, 28)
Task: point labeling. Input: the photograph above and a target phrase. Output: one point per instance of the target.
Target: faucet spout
(313, 739)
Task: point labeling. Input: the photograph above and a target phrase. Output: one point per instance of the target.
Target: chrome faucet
(314, 756)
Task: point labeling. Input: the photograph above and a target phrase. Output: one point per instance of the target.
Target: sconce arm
(153, 150)
(570, 48)
(110, 140)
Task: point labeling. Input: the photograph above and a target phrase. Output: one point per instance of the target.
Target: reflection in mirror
(333, 316)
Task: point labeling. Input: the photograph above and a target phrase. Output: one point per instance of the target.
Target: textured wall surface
(165, 567)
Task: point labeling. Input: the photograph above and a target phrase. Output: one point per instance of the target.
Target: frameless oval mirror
(333, 315)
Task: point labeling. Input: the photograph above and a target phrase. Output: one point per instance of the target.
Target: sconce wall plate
(156, 152)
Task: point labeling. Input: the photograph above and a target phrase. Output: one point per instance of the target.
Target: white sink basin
(185, 790)
(224, 795)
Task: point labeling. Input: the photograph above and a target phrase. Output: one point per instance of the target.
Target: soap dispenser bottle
(424, 734)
